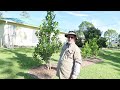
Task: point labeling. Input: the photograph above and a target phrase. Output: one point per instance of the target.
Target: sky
(70, 20)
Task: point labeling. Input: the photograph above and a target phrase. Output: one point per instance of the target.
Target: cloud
(100, 25)
(76, 13)
(104, 27)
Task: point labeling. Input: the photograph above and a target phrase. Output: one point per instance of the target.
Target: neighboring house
(14, 32)
(114, 43)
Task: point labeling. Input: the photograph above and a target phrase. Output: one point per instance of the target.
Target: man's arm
(61, 53)
(76, 70)
(62, 49)
(77, 63)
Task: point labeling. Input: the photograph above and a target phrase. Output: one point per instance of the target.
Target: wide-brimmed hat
(71, 33)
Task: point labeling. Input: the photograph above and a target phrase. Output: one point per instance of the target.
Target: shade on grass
(15, 64)
(16, 61)
(109, 69)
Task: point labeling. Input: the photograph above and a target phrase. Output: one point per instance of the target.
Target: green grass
(15, 64)
(108, 69)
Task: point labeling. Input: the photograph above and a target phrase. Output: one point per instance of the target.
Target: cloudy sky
(70, 20)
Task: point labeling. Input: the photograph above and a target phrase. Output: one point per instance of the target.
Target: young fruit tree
(48, 41)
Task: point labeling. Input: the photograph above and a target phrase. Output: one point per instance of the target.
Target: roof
(13, 20)
(19, 21)
(25, 22)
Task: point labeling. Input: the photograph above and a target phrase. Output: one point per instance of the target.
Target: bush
(102, 42)
(90, 48)
(86, 50)
(94, 47)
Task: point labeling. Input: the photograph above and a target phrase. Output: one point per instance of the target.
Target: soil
(90, 61)
(43, 73)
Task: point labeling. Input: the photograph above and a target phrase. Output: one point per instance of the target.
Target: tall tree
(110, 35)
(91, 33)
(82, 27)
(48, 39)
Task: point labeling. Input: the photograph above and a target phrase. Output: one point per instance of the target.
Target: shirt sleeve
(62, 50)
(61, 53)
(77, 56)
(77, 63)
(76, 70)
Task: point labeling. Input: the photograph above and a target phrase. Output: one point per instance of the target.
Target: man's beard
(70, 42)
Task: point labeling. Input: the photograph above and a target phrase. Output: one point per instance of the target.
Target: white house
(14, 32)
(114, 43)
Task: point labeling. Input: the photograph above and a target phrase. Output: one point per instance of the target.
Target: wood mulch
(42, 72)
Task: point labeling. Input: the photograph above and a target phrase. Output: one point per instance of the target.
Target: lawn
(108, 69)
(15, 64)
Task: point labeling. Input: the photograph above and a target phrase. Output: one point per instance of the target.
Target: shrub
(86, 50)
(94, 47)
(90, 48)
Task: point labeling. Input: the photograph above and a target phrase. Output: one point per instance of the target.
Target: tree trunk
(49, 65)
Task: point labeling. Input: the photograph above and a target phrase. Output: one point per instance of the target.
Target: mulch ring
(90, 61)
(43, 73)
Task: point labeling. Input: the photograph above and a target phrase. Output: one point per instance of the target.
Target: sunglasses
(70, 37)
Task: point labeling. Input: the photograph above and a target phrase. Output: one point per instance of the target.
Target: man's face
(71, 38)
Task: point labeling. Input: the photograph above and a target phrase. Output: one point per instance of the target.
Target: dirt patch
(43, 73)
(90, 61)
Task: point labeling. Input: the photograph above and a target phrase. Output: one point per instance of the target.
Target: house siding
(62, 38)
(24, 37)
(21, 35)
(1, 33)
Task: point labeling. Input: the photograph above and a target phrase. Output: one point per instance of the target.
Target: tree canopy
(48, 39)
(110, 35)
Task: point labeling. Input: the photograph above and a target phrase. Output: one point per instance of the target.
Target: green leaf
(47, 44)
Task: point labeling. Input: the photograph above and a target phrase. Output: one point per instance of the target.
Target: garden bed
(43, 73)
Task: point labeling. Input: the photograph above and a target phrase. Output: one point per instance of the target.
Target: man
(70, 59)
